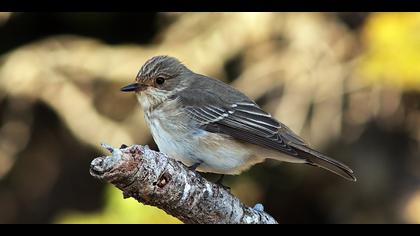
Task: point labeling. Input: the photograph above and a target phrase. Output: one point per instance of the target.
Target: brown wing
(247, 122)
(239, 117)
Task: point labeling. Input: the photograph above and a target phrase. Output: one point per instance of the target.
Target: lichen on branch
(155, 179)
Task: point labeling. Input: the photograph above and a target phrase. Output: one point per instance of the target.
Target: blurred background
(349, 83)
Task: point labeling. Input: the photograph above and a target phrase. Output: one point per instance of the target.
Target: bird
(212, 127)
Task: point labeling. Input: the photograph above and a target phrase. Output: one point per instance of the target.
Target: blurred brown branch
(302, 62)
(64, 67)
(154, 179)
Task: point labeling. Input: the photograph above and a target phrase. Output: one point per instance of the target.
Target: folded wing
(246, 121)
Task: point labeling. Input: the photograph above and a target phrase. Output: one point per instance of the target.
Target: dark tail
(318, 159)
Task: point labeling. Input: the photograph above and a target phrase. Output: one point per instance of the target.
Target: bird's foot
(220, 183)
(194, 166)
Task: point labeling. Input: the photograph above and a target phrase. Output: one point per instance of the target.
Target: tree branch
(154, 179)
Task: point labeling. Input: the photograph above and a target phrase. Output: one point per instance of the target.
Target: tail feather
(320, 160)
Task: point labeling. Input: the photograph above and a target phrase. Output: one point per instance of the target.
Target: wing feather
(244, 121)
(240, 118)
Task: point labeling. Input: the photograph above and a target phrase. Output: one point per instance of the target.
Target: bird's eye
(160, 80)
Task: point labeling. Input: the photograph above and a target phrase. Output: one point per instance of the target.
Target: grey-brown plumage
(194, 115)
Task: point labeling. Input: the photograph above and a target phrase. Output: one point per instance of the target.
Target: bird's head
(158, 79)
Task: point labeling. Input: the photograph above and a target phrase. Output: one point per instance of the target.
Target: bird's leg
(220, 179)
(220, 182)
(194, 166)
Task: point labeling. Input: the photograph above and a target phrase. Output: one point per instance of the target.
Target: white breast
(167, 140)
(169, 133)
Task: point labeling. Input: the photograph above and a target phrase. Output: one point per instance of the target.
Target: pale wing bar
(244, 121)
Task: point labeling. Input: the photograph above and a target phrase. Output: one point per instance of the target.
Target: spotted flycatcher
(211, 126)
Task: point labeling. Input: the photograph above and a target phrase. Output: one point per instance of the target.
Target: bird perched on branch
(212, 127)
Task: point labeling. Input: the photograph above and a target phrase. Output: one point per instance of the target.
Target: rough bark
(154, 179)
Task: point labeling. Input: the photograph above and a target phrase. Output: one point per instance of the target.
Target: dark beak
(131, 87)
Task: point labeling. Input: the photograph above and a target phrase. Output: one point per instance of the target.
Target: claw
(220, 182)
(194, 166)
